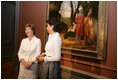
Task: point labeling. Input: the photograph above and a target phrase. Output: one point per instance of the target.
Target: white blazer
(29, 50)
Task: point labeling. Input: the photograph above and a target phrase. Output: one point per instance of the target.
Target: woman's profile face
(28, 31)
(49, 28)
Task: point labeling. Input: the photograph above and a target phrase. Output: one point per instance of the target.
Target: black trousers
(50, 70)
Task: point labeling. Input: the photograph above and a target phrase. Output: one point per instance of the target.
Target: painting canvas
(79, 23)
(81, 26)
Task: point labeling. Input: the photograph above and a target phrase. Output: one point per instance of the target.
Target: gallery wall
(32, 12)
(35, 13)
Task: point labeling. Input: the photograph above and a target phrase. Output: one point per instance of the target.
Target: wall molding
(90, 64)
(84, 74)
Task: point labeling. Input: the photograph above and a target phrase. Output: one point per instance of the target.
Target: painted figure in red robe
(80, 22)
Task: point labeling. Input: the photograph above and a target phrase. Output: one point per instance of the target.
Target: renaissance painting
(80, 27)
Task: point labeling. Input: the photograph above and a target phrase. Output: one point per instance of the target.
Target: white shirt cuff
(45, 59)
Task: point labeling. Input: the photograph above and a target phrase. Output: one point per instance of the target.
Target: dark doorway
(9, 32)
(7, 29)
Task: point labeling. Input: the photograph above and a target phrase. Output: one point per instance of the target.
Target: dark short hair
(55, 22)
(31, 26)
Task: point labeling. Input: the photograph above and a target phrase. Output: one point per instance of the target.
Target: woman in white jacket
(30, 47)
(51, 67)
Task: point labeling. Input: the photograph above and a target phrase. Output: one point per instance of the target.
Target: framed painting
(83, 27)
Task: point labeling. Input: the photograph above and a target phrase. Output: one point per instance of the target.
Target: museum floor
(8, 73)
(7, 70)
